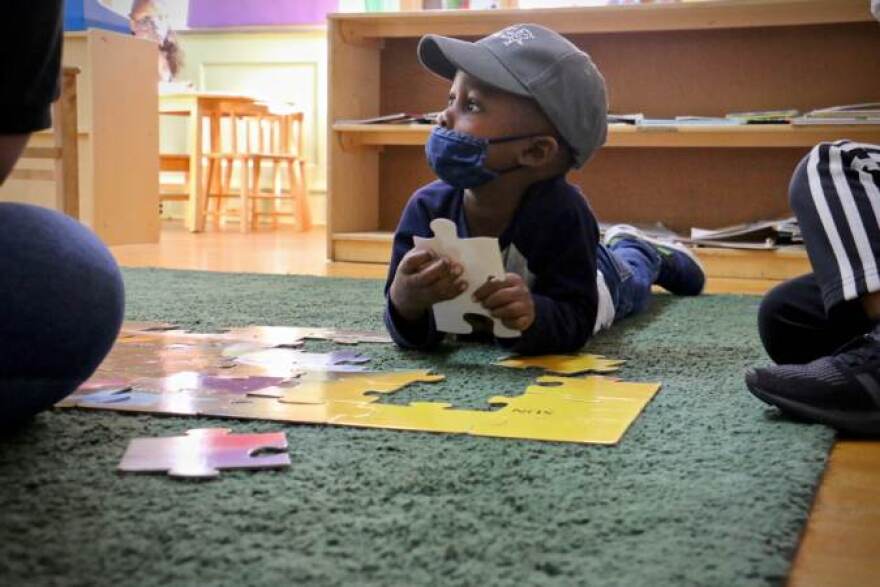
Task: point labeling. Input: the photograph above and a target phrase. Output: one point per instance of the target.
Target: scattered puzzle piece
(564, 364)
(202, 453)
(481, 259)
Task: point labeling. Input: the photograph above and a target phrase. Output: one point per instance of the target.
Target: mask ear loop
(558, 139)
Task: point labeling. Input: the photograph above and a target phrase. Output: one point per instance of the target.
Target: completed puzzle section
(260, 373)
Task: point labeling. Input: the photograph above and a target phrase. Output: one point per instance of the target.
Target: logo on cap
(514, 34)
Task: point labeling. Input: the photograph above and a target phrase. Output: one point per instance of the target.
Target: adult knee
(61, 307)
(785, 322)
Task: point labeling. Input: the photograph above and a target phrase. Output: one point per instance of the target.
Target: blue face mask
(459, 159)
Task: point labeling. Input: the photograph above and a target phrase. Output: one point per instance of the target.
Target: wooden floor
(841, 545)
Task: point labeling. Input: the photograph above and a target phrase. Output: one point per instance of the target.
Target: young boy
(525, 106)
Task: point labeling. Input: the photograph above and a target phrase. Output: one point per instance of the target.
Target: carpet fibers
(707, 487)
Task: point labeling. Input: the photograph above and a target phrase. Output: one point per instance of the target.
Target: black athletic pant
(835, 194)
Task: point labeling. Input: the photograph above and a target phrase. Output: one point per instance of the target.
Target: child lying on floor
(525, 106)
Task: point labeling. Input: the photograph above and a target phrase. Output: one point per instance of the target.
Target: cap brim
(444, 56)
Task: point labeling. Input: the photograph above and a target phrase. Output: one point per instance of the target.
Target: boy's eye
(450, 100)
(472, 106)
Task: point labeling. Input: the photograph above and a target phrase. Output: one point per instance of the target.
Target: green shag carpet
(708, 487)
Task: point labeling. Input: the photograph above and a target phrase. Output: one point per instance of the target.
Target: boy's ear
(539, 151)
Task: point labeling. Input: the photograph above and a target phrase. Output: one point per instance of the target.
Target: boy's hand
(508, 300)
(423, 278)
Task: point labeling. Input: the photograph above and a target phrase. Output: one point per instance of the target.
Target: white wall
(289, 65)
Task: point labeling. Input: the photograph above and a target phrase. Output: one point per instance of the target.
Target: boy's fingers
(414, 260)
(429, 274)
(487, 289)
(510, 311)
(517, 324)
(447, 290)
(502, 297)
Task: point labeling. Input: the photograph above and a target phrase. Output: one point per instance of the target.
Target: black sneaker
(680, 271)
(841, 390)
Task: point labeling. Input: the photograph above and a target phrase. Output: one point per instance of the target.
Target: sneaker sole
(858, 423)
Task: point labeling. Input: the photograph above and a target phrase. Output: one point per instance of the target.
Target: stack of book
(397, 118)
(765, 234)
(762, 235)
(868, 113)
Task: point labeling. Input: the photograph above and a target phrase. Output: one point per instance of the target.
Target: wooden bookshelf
(355, 136)
(708, 58)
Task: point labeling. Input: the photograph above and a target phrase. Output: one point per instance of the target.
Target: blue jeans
(630, 268)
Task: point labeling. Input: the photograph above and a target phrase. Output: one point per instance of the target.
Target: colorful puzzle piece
(564, 364)
(358, 388)
(211, 384)
(202, 453)
(341, 361)
(267, 336)
(182, 403)
(481, 259)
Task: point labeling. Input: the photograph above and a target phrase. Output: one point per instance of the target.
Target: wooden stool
(174, 192)
(280, 143)
(222, 158)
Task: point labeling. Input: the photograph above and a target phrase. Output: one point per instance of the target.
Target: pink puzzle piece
(203, 452)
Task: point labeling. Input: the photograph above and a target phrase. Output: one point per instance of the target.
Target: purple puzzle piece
(202, 453)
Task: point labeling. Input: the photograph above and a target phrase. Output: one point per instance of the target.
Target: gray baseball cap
(532, 61)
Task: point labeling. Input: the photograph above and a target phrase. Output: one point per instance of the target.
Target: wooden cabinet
(704, 58)
(118, 139)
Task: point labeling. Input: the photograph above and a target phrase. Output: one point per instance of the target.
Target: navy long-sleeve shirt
(550, 242)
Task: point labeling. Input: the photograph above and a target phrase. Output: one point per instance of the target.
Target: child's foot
(680, 271)
(841, 390)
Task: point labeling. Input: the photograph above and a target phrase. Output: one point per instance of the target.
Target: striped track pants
(835, 193)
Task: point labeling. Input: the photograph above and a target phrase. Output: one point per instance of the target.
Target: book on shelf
(865, 113)
(625, 118)
(397, 118)
(764, 234)
(814, 121)
(866, 110)
(764, 116)
(685, 122)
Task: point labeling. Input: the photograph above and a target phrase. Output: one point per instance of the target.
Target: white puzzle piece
(481, 259)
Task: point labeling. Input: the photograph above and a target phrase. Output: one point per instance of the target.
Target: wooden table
(196, 106)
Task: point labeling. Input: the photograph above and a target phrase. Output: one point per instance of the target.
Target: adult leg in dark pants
(822, 328)
(61, 294)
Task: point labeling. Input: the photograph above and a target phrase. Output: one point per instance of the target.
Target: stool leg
(245, 196)
(255, 191)
(206, 201)
(301, 203)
